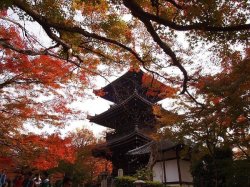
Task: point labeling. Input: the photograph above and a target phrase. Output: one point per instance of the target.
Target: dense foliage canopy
(98, 31)
(177, 40)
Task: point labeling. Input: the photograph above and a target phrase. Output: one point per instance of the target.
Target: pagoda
(130, 118)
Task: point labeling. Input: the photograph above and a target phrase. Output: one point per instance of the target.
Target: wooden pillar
(164, 172)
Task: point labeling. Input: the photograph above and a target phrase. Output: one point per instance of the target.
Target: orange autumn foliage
(98, 165)
(45, 152)
(26, 80)
(34, 90)
(57, 149)
(156, 88)
(85, 168)
(99, 92)
(241, 119)
(222, 118)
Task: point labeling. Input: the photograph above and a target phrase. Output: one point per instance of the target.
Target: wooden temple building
(131, 119)
(172, 166)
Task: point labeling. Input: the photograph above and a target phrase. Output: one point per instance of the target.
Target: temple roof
(136, 134)
(103, 150)
(148, 87)
(163, 145)
(108, 116)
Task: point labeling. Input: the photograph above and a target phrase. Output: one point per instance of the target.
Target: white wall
(172, 171)
(158, 174)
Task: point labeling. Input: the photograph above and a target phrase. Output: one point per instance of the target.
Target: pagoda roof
(104, 149)
(127, 138)
(163, 145)
(118, 109)
(146, 85)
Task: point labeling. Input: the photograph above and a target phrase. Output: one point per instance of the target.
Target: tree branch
(47, 24)
(165, 48)
(32, 52)
(134, 7)
(5, 44)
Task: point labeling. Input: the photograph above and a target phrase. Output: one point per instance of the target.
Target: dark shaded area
(221, 170)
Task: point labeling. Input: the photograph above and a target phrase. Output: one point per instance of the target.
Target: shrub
(153, 184)
(127, 181)
(143, 174)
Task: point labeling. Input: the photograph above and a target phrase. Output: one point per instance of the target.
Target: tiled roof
(111, 111)
(131, 79)
(163, 145)
(127, 137)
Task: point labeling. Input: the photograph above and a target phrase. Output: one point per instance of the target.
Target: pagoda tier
(123, 117)
(148, 87)
(119, 147)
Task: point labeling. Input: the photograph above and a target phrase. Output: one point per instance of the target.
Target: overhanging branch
(134, 7)
(47, 24)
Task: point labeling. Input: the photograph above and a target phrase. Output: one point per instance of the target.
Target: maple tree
(85, 168)
(31, 89)
(37, 152)
(219, 125)
(52, 150)
(222, 118)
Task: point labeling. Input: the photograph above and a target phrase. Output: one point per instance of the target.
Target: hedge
(127, 181)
